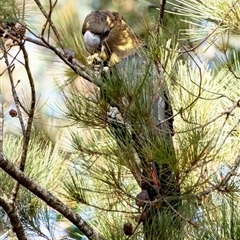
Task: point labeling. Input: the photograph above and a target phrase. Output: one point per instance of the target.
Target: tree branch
(31, 111)
(48, 17)
(161, 14)
(1, 120)
(73, 63)
(10, 68)
(224, 182)
(29, 122)
(48, 198)
(12, 213)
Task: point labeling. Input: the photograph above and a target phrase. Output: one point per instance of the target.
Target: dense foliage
(60, 161)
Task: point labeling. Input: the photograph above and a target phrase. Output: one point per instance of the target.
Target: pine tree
(72, 166)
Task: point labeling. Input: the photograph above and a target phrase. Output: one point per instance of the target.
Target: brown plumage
(107, 33)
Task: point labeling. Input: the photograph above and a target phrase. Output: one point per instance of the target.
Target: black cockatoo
(107, 33)
(130, 84)
(108, 38)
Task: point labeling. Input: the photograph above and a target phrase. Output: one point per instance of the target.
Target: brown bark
(48, 198)
(12, 213)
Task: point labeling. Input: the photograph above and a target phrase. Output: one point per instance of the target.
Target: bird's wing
(143, 84)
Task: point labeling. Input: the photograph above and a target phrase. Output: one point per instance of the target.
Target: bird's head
(107, 33)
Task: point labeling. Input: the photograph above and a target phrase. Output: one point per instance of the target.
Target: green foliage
(11, 10)
(46, 164)
(69, 25)
(96, 172)
(206, 138)
(208, 20)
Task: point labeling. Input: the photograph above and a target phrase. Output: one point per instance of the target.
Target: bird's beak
(91, 42)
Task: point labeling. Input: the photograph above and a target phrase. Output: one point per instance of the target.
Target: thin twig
(29, 122)
(32, 108)
(232, 172)
(180, 215)
(40, 6)
(161, 14)
(48, 19)
(10, 66)
(14, 93)
(1, 119)
(74, 64)
(212, 32)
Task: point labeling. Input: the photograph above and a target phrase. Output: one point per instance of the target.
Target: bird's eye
(106, 32)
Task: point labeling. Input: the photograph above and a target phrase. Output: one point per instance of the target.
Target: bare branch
(29, 122)
(12, 213)
(31, 111)
(47, 16)
(35, 41)
(1, 120)
(232, 172)
(48, 198)
(10, 68)
(161, 14)
(73, 63)
(185, 50)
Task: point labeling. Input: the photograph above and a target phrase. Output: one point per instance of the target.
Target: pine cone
(143, 217)
(13, 113)
(128, 229)
(141, 198)
(20, 29)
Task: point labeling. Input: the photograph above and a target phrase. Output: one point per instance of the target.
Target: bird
(107, 33)
(132, 80)
(109, 40)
